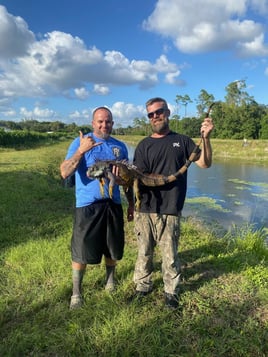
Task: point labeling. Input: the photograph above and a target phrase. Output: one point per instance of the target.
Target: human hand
(86, 143)
(206, 127)
(118, 179)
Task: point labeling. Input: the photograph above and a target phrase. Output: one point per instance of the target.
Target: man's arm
(205, 159)
(68, 167)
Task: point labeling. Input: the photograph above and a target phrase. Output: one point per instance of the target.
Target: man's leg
(170, 259)
(110, 265)
(78, 271)
(144, 263)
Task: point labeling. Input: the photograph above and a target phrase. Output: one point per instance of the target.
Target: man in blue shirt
(98, 224)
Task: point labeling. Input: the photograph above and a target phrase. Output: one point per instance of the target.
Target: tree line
(239, 116)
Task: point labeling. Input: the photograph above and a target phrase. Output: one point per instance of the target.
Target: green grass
(224, 291)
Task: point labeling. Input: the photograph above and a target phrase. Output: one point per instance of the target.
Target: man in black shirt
(158, 219)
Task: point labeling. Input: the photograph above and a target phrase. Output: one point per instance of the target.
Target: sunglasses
(157, 112)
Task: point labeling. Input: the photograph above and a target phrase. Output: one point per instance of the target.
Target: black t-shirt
(163, 156)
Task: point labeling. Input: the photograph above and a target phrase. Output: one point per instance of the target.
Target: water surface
(229, 194)
(239, 192)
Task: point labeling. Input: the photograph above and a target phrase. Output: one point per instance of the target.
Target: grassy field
(224, 292)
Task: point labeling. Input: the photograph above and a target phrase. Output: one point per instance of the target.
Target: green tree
(141, 126)
(264, 127)
(251, 114)
(72, 128)
(175, 123)
(183, 100)
(204, 100)
(191, 126)
(236, 95)
(56, 126)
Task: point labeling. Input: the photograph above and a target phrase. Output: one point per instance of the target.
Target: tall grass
(224, 291)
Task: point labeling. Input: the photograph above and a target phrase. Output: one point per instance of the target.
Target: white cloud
(82, 117)
(75, 115)
(210, 25)
(60, 64)
(9, 113)
(101, 89)
(37, 113)
(172, 78)
(81, 93)
(15, 37)
(255, 46)
(124, 113)
(260, 6)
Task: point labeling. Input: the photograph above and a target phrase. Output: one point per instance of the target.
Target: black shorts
(98, 230)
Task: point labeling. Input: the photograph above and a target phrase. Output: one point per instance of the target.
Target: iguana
(130, 175)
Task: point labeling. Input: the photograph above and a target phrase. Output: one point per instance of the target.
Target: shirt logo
(176, 145)
(116, 152)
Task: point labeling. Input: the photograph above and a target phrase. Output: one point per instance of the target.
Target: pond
(228, 194)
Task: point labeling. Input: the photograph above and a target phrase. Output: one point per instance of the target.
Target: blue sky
(61, 59)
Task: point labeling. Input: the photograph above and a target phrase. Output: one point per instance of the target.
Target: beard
(102, 135)
(160, 126)
(105, 135)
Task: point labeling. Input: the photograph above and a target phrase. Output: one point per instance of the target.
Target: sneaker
(171, 301)
(110, 287)
(76, 302)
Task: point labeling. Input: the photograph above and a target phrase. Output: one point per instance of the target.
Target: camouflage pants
(163, 230)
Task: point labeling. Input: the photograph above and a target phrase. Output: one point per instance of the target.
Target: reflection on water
(227, 193)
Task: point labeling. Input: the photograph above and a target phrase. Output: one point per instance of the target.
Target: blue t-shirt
(88, 191)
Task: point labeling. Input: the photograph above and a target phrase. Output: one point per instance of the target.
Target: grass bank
(224, 293)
